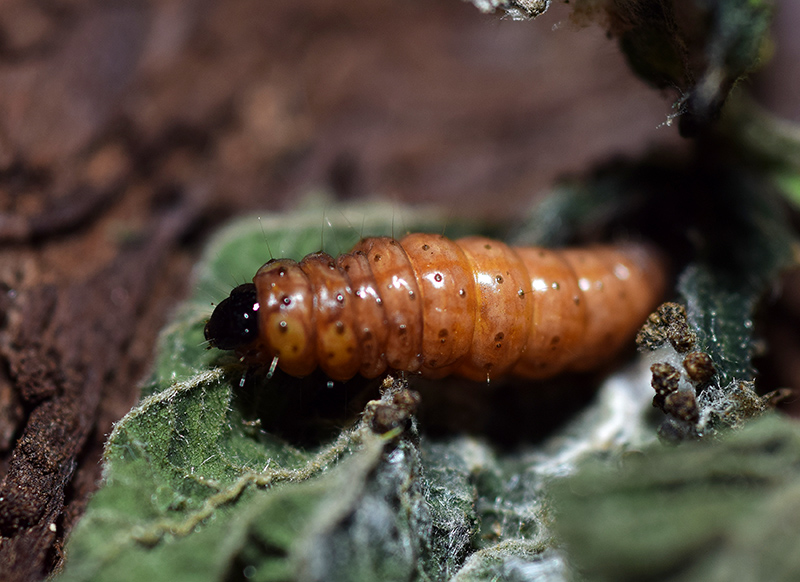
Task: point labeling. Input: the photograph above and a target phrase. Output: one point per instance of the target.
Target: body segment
(474, 307)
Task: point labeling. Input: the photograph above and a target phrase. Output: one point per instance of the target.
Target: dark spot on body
(499, 336)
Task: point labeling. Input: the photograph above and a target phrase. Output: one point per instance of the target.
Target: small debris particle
(671, 432)
(391, 412)
(699, 367)
(667, 324)
(683, 405)
(665, 378)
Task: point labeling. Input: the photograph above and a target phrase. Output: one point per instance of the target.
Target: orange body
(473, 307)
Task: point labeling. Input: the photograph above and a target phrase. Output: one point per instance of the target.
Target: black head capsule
(234, 322)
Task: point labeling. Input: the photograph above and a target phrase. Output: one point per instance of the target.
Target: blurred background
(129, 130)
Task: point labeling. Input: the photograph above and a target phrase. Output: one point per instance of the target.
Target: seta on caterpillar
(473, 307)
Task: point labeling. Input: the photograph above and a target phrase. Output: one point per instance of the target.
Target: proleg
(473, 307)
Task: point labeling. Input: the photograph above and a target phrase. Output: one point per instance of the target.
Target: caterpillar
(473, 307)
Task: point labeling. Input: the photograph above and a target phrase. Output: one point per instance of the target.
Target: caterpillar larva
(473, 307)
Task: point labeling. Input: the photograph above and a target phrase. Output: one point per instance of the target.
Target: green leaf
(198, 485)
(746, 244)
(651, 39)
(713, 510)
(701, 48)
(220, 474)
(734, 45)
(765, 142)
(195, 489)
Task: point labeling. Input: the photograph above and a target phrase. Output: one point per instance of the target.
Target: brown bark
(129, 129)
